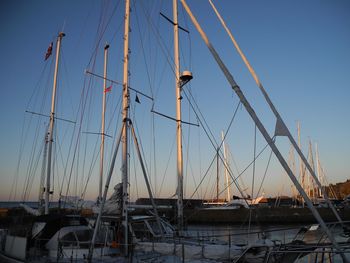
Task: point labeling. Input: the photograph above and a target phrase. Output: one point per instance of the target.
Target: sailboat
(161, 238)
(281, 128)
(163, 245)
(166, 238)
(50, 236)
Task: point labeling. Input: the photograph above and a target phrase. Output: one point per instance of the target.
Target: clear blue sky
(299, 49)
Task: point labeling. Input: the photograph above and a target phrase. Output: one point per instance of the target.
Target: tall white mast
(52, 121)
(291, 163)
(42, 177)
(217, 174)
(226, 169)
(178, 121)
(301, 164)
(311, 185)
(319, 173)
(125, 133)
(103, 122)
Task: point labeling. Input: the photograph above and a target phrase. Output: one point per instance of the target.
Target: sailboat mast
(291, 163)
(301, 164)
(103, 122)
(217, 174)
(318, 165)
(42, 177)
(310, 181)
(51, 127)
(125, 113)
(226, 169)
(178, 121)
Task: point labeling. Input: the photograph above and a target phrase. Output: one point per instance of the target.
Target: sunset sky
(299, 49)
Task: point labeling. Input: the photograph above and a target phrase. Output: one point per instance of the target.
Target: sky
(299, 49)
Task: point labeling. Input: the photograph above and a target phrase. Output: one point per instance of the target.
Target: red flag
(49, 51)
(108, 89)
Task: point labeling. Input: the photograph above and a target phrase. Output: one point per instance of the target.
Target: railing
(307, 245)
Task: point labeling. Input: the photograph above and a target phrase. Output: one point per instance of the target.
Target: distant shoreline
(16, 204)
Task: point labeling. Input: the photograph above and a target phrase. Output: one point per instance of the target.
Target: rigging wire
(102, 26)
(30, 171)
(200, 161)
(201, 118)
(113, 114)
(31, 164)
(134, 165)
(163, 48)
(142, 150)
(247, 167)
(94, 159)
(187, 63)
(253, 180)
(157, 57)
(233, 179)
(204, 176)
(188, 162)
(67, 83)
(109, 123)
(161, 42)
(54, 166)
(66, 133)
(13, 191)
(133, 151)
(154, 154)
(205, 130)
(150, 83)
(36, 87)
(167, 164)
(101, 29)
(265, 173)
(77, 142)
(74, 132)
(185, 19)
(60, 154)
(143, 53)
